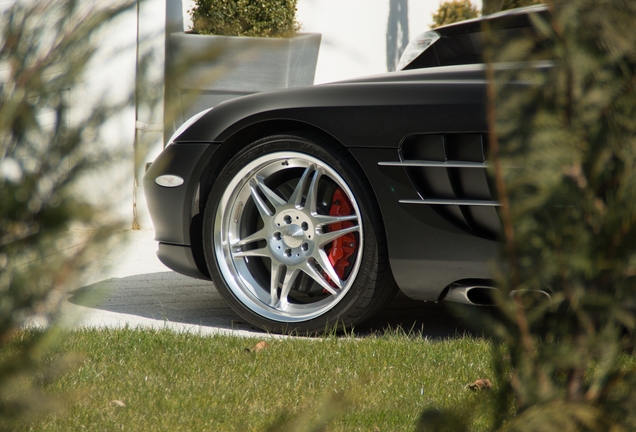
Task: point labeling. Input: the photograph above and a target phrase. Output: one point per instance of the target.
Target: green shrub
(562, 148)
(563, 152)
(264, 18)
(454, 11)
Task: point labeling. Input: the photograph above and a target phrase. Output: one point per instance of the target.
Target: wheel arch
(231, 146)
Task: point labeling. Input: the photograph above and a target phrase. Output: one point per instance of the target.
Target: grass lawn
(141, 380)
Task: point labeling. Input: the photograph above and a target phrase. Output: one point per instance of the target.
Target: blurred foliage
(50, 226)
(492, 6)
(562, 142)
(263, 18)
(454, 11)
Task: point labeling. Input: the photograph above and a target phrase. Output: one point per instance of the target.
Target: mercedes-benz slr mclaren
(309, 207)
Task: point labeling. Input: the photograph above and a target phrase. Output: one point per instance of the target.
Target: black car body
(407, 149)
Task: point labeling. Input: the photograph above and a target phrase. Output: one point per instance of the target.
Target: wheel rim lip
(235, 272)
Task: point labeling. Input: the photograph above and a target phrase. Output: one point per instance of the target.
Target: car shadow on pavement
(171, 297)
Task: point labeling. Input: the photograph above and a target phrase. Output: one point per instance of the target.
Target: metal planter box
(205, 70)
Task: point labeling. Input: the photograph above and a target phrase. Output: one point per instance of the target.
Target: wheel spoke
(325, 238)
(297, 196)
(323, 261)
(262, 252)
(276, 270)
(312, 193)
(271, 196)
(288, 281)
(315, 275)
(323, 220)
(261, 234)
(260, 204)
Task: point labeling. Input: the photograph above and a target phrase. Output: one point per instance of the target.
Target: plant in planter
(265, 18)
(239, 47)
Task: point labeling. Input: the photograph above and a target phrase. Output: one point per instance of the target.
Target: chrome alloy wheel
(273, 231)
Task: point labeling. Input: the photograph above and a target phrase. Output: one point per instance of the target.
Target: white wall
(110, 79)
(354, 33)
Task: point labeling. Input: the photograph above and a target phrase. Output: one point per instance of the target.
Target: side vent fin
(449, 172)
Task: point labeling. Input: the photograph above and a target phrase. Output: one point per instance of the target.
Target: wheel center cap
(293, 236)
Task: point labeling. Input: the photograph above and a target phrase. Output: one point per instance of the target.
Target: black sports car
(309, 207)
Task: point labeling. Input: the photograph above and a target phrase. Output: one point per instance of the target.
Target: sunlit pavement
(131, 287)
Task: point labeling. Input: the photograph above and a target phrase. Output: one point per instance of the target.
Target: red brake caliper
(344, 246)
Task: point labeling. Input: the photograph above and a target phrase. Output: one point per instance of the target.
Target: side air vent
(449, 173)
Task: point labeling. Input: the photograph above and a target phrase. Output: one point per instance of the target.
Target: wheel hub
(293, 236)
(291, 240)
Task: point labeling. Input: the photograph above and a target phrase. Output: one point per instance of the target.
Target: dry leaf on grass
(117, 403)
(258, 347)
(480, 384)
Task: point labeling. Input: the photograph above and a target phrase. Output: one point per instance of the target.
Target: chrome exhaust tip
(477, 295)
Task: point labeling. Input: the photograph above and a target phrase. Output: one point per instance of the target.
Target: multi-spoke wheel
(290, 239)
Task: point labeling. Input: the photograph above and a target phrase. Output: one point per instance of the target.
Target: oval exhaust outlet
(478, 295)
(169, 180)
(529, 298)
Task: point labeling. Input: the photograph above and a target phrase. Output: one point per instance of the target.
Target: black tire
(279, 207)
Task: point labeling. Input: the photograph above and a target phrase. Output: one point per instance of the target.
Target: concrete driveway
(130, 287)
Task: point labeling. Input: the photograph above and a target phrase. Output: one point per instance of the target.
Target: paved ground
(130, 287)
